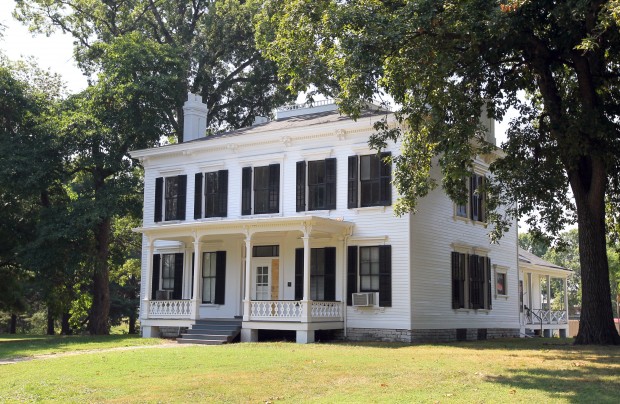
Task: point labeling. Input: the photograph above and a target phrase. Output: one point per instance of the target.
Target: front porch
(275, 274)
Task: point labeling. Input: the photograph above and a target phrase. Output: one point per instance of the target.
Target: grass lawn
(17, 346)
(534, 370)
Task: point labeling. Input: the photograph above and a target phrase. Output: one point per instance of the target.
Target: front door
(261, 280)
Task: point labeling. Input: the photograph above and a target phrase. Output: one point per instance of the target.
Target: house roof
(529, 258)
(300, 121)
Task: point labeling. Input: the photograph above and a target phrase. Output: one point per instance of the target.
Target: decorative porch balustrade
(547, 317)
(293, 310)
(170, 309)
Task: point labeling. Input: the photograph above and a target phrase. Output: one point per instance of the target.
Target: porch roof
(529, 261)
(248, 226)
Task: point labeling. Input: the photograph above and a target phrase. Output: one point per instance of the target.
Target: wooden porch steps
(212, 331)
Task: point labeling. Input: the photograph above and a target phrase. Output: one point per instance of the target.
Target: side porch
(543, 297)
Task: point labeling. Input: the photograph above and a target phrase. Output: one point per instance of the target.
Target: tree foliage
(207, 47)
(443, 62)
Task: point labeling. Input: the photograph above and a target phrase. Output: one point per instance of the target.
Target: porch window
(501, 284)
(321, 189)
(474, 208)
(170, 198)
(370, 270)
(322, 273)
(471, 281)
(264, 196)
(214, 277)
(167, 275)
(215, 194)
(374, 180)
(266, 251)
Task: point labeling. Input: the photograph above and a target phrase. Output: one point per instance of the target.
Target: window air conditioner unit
(163, 295)
(364, 299)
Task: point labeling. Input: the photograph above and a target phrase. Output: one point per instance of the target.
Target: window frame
(373, 189)
(272, 190)
(497, 271)
(169, 204)
(217, 198)
(211, 276)
(167, 263)
(385, 273)
(475, 283)
(474, 200)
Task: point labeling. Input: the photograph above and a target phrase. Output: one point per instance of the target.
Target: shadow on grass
(26, 345)
(577, 384)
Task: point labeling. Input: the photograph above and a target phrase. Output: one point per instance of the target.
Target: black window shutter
(220, 277)
(274, 188)
(476, 283)
(489, 284)
(330, 183)
(480, 198)
(330, 273)
(246, 191)
(178, 276)
(352, 199)
(198, 196)
(351, 273)
(155, 280)
(222, 197)
(299, 273)
(159, 198)
(385, 276)
(300, 187)
(181, 199)
(456, 282)
(385, 182)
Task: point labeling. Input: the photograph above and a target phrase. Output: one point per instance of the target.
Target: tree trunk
(596, 325)
(132, 323)
(13, 324)
(65, 327)
(50, 321)
(100, 309)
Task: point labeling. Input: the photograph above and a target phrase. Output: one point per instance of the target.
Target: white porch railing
(293, 310)
(331, 310)
(170, 309)
(548, 317)
(279, 310)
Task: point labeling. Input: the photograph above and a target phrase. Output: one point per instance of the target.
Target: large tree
(443, 62)
(211, 44)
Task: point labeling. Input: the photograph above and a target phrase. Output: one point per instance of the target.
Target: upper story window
(320, 177)
(370, 180)
(471, 281)
(260, 189)
(474, 208)
(170, 198)
(215, 194)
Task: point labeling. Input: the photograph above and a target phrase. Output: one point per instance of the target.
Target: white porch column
(305, 303)
(248, 276)
(548, 292)
(148, 275)
(566, 298)
(197, 275)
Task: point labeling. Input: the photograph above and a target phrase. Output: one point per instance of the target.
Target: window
(369, 269)
(264, 195)
(167, 272)
(321, 179)
(170, 198)
(266, 251)
(474, 209)
(167, 275)
(322, 274)
(213, 277)
(471, 281)
(215, 194)
(371, 175)
(501, 284)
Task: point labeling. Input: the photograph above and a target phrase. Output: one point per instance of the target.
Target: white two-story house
(288, 225)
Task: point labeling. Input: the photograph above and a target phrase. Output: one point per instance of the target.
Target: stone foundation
(172, 332)
(408, 336)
